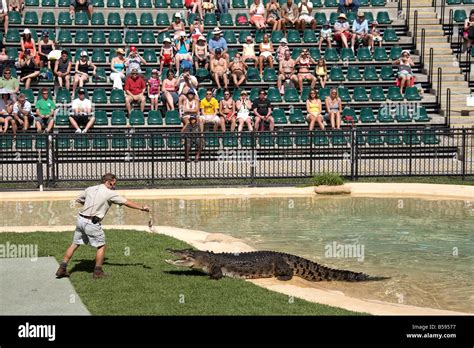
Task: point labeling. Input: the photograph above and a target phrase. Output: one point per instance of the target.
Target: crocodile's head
(188, 258)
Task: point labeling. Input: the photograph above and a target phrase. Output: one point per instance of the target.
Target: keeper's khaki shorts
(88, 233)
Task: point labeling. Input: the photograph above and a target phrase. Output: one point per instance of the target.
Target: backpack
(242, 20)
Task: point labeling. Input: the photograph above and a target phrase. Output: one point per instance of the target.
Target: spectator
(325, 35)
(196, 29)
(223, 6)
(45, 46)
(27, 43)
(376, 35)
(208, 6)
(201, 54)
(16, 5)
(282, 48)
(341, 30)
(314, 109)
(243, 107)
(266, 53)
(183, 51)
(62, 70)
(9, 83)
(4, 15)
(322, 72)
(3, 53)
(217, 41)
(29, 69)
(348, 5)
(134, 61)
(262, 110)
(249, 50)
(405, 73)
(192, 136)
(257, 14)
(238, 69)
(154, 84)
(166, 54)
(177, 26)
(117, 68)
(304, 61)
(227, 111)
(289, 15)
(286, 73)
(360, 31)
(209, 109)
(169, 89)
(189, 107)
(219, 67)
(21, 115)
(334, 109)
(185, 83)
(135, 87)
(81, 6)
(304, 15)
(81, 113)
(81, 75)
(6, 107)
(273, 17)
(468, 33)
(194, 6)
(45, 109)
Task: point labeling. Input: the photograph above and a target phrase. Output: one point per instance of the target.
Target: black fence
(158, 158)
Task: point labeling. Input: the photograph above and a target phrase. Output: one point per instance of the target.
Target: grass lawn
(141, 283)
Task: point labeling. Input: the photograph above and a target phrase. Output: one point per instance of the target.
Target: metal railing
(422, 51)
(415, 28)
(158, 158)
(448, 106)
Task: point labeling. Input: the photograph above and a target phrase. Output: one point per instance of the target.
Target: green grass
(141, 283)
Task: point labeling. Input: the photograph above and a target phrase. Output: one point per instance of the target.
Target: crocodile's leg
(215, 272)
(283, 271)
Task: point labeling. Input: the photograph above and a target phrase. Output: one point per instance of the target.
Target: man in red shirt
(135, 91)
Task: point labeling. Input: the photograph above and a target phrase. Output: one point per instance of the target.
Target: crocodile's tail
(313, 271)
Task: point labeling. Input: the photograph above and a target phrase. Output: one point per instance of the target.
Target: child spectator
(322, 72)
(282, 48)
(154, 89)
(166, 54)
(249, 50)
(325, 35)
(201, 54)
(376, 36)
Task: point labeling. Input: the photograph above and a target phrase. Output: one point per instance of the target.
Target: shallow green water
(426, 247)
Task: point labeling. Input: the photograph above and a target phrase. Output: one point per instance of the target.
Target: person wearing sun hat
(81, 74)
(282, 48)
(405, 73)
(341, 30)
(201, 54)
(217, 41)
(117, 68)
(248, 51)
(45, 47)
(360, 31)
(177, 26)
(348, 5)
(166, 54)
(27, 42)
(243, 107)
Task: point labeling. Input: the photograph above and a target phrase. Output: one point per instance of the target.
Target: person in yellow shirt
(209, 109)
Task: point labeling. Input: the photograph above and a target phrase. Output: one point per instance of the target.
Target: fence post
(463, 157)
(311, 169)
(50, 159)
(152, 160)
(252, 168)
(39, 171)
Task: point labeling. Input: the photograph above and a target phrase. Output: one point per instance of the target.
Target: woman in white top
(257, 14)
(243, 107)
(249, 50)
(266, 53)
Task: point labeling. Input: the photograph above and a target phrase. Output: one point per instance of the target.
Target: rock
(332, 190)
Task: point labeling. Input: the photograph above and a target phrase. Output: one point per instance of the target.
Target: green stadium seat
(99, 96)
(156, 141)
(453, 2)
(28, 94)
(377, 94)
(114, 3)
(380, 54)
(302, 139)
(293, 36)
(347, 54)
(374, 137)
(277, 35)
(259, 36)
(361, 140)
(235, 93)
(146, 19)
(394, 94)
(389, 35)
(115, 37)
(14, 17)
(279, 116)
(387, 74)
(118, 118)
(351, 17)
(384, 115)
(138, 142)
(248, 139)
(162, 19)
(429, 137)
(241, 15)
(331, 3)
(370, 74)
(320, 18)
(253, 93)
(100, 142)
(226, 20)
(210, 19)
(12, 53)
(232, 52)
(333, 18)
(378, 2)
(291, 95)
(353, 74)
(148, 37)
(338, 138)
(40, 142)
(98, 19)
(150, 56)
(395, 52)
(468, 2)
(202, 74)
(324, 92)
(63, 96)
(336, 74)
(31, 18)
(98, 37)
(309, 36)
(81, 142)
(211, 140)
(420, 115)
(32, 3)
(101, 118)
(295, 52)
(114, 19)
(161, 4)
(81, 18)
(269, 75)
(230, 140)
(410, 137)
(273, 95)
(238, 4)
(176, 4)
(330, 55)
(360, 94)
(364, 55)
(402, 114)
(383, 17)
(316, 3)
(154, 118)
(137, 118)
(48, 3)
(472, 51)
(349, 115)
(229, 36)
(393, 137)
(344, 94)
(100, 75)
(82, 37)
(296, 117)
(24, 142)
(266, 140)
(253, 75)
(47, 18)
(130, 19)
(145, 4)
(367, 115)
(61, 119)
(117, 96)
(172, 118)
(86, 92)
(120, 142)
(305, 94)
(369, 16)
(243, 35)
(34, 35)
(411, 93)
(64, 19)
(97, 3)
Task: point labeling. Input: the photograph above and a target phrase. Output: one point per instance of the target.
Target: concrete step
(423, 21)
(433, 39)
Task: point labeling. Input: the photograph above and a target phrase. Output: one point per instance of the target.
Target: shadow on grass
(88, 265)
(192, 272)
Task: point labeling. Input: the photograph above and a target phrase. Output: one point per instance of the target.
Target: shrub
(329, 179)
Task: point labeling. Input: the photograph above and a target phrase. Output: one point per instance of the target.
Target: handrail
(438, 89)
(408, 14)
(423, 41)
(448, 108)
(450, 27)
(430, 71)
(415, 28)
(443, 8)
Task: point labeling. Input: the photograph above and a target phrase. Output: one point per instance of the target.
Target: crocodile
(261, 264)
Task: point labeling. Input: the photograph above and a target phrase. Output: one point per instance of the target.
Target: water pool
(425, 246)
